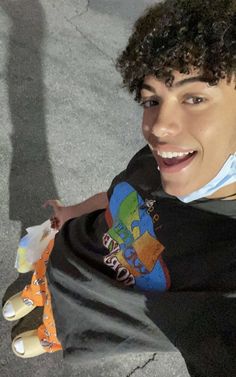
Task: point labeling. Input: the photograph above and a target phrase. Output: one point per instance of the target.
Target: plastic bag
(32, 245)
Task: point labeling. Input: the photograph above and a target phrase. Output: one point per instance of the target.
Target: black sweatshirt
(148, 274)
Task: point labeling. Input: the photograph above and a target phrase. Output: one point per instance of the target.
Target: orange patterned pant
(37, 293)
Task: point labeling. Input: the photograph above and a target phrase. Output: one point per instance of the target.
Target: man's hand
(62, 213)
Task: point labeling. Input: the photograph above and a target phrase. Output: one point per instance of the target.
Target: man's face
(189, 116)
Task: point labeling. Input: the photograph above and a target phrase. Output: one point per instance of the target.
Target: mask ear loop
(223, 197)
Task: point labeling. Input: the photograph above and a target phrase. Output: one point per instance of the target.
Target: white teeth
(173, 154)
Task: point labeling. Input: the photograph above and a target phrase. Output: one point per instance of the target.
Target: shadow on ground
(31, 180)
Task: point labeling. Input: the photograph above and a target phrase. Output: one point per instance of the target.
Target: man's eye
(195, 100)
(149, 103)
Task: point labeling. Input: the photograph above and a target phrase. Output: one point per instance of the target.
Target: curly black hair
(179, 35)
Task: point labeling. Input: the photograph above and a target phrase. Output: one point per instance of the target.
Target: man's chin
(175, 191)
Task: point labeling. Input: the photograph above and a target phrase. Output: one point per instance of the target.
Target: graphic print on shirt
(134, 251)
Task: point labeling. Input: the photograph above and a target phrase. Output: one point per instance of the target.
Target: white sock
(9, 310)
(19, 346)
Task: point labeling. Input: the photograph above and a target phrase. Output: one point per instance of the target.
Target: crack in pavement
(84, 35)
(143, 366)
(98, 48)
(79, 14)
(89, 40)
(84, 11)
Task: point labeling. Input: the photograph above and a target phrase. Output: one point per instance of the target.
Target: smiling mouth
(175, 164)
(176, 160)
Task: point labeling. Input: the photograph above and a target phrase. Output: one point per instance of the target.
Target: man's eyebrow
(148, 87)
(178, 84)
(190, 80)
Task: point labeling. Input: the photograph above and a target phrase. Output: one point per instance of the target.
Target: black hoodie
(148, 274)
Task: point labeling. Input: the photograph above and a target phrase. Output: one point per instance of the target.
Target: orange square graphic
(147, 250)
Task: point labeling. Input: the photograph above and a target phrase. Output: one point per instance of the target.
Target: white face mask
(226, 176)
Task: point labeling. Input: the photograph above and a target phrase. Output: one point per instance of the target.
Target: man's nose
(167, 121)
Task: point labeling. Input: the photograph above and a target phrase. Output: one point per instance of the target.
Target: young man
(155, 264)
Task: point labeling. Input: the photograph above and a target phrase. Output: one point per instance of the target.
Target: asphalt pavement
(67, 128)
